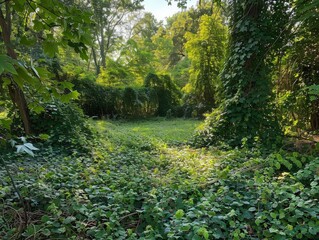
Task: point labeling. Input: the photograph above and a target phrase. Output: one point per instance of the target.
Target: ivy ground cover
(143, 180)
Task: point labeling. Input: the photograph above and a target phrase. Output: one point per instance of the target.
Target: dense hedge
(126, 102)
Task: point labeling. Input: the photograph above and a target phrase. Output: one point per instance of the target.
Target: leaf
(38, 109)
(1, 69)
(23, 149)
(12, 142)
(69, 220)
(30, 146)
(7, 65)
(44, 136)
(179, 214)
(35, 72)
(46, 232)
(27, 41)
(50, 48)
(70, 96)
(252, 209)
(277, 165)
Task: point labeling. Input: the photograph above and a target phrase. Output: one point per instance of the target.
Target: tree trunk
(96, 63)
(16, 94)
(102, 49)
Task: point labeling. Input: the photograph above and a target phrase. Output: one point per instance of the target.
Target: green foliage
(64, 126)
(167, 92)
(298, 71)
(206, 50)
(115, 75)
(111, 102)
(137, 183)
(247, 110)
(156, 97)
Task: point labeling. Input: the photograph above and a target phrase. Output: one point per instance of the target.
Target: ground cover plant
(143, 181)
(90, 149)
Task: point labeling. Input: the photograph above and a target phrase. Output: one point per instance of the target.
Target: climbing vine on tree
(257, 30)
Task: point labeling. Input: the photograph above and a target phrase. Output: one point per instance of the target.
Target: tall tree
(109, 15)
(206, 50)
(138, 52)
(257, 30)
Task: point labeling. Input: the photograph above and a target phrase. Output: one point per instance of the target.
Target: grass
(159, 130)
(165, 141)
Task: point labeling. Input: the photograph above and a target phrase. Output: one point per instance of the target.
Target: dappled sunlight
(165, 143)
(189, 165)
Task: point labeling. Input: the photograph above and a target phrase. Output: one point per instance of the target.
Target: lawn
(157, 129)
(141, 180)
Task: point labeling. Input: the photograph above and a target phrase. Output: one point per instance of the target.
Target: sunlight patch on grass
(166, 143)
(167, 131)
(186, 166)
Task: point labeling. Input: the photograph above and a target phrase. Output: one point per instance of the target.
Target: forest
(117, 125)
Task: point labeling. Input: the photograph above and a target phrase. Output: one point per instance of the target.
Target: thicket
(157, 97)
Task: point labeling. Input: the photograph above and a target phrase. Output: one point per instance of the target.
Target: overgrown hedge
(126, 102)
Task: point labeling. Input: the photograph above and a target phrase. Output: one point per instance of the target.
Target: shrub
(64, 124)
(155, 98)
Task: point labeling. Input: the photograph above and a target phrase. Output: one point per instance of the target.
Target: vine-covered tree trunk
(16, 94)
(246, 112)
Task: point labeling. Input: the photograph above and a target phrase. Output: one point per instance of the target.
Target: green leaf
(273, 230)
(69, 220)
(7, 65)
(179, 214)
(31, 147)
(252, 209)
(50, 48)
(70, 96)
(46, 232)
(203, 232)
(27, 41)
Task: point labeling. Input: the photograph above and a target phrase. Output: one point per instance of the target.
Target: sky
(161, 10)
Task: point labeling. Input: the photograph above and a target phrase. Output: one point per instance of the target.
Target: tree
(257, 30)
(297, 78)
(138, 52)
(109, 16)
(206, 50)
(49, 24)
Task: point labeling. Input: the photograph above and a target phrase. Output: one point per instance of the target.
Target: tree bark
(16, 94)
(96, 63)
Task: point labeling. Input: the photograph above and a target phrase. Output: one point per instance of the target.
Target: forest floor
(142, 180)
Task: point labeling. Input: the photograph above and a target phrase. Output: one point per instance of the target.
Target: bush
(167, 92)
(130, 102)
(64, 125)
(97, 100)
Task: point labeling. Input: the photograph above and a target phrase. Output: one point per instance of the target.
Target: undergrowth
(141, 180)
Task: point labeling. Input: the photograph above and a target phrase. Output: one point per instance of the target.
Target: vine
(247, 110)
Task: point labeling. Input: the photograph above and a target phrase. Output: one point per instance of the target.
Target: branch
(49, 10)
(46, 23)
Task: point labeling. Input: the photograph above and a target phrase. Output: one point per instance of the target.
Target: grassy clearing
(157, 130)
(141, 181)
(165, 141)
